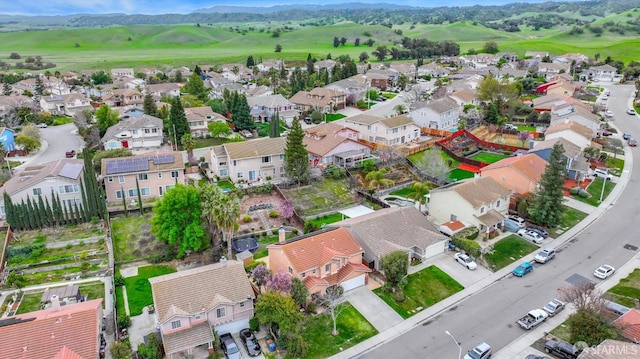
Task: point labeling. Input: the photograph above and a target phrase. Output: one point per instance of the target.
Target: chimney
(55, 303)
(223, 261)
(282, 239)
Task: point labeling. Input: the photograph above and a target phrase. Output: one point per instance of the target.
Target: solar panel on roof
(71, 170)
(163, 159)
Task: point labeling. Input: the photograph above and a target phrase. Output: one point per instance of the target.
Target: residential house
(549, 69)
(509, 56)
(404, 68)
(580, 113)
(325, 64)
(65, 105)
(441, 114)
(612, 349)
(262, 108)
(433, 69)
(267, 65)
(547, 102)
(536, 54)
(481, 201)
(629, 322)
(169, 89)
(69, 77)
(194, 305)
(568, 58)
(354, 88)
(218, 87)
(60, 178)
(382, 81)
(250, 161)
(152, 173)
(69, 294)
(321, 259)
(60, 332)
(601, 73)
(319, 99)
(199, 119)
(9, 103)
(122, 72)
(465, 97)
(394, 229)
(8, 139)
(388, 131)
(124, 97)
(332, 143)
(136, 133)
(185, 72)
(519, 174)
(131, 83)
(572, 131)
(577, 165)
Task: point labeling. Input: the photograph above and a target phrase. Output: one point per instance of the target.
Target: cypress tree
(78, 213)
(124, 202)
(42, 212)
(296, 157)
(30, 217)
(274, 125)
(36, 215)
(50, 218)
(83, 193)
(139, 196)
(60, 211)
(9, 209)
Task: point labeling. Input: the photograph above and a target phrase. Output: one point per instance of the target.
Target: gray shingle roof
(477, 191)
(134, 122)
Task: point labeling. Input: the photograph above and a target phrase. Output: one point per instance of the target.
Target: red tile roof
(630, 323)
(44, 334)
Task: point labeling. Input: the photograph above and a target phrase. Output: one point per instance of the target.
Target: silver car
(530, 236)
(554, 307)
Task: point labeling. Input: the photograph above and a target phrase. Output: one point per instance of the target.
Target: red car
(70, 154)
(632, 142)
(605, 133)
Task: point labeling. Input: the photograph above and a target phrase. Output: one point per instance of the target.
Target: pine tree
(149, 105)
(50, 217)
(241, 114)
(9, 210)
(139, 196)
(274, 125)
(296, 157)
(310, 68)
(42, 213)
(546, 205)
(177, 120)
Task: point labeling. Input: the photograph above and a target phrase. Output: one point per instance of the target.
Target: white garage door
(353, 283)
(233, 327)
(435, 249)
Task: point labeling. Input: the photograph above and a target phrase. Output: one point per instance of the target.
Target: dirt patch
(258, 207)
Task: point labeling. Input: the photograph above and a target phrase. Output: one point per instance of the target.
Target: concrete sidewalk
(520, 347)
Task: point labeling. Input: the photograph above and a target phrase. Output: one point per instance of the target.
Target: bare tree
(583, 295)
(433, 164)
(333, 301)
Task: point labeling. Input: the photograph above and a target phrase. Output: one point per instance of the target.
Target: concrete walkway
(374, 309)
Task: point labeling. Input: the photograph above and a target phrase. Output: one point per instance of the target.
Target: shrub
(309, 227)
(470, 233)
(84, 266)
(118, 280)
(311, 308)
(254, 324)
(273, 214)
(469, 246)
(574, 190)
(247, 219)
(123, 321)
(583, 194)
(249, 267)
(274, 231)
(294, 231)
(399, 296)
(262, 132)
(101, 241)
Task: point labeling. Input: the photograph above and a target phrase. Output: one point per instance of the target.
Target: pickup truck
(533, 318)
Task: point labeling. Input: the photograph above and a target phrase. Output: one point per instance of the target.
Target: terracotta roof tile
(530, 165)
(630, 322)
(66, 353)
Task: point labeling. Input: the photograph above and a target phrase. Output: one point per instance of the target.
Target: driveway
(374, 309)
(457, 271)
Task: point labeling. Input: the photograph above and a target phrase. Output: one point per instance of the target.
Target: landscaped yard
(208, 142)
(93, 290)
(488, 157)
(59, 235)
(570, 218)
(595, 190)
(627, 291)
(616, 165)
(321, 196)
(507, 251)
(327, 219)
(422, 290)
(352, 328)
(226, 184)
(120, 302)
(403, 192)
(334, 116)
(417, 157)
(267, 127)
(31, 301)
(262, 251)
(132, 239)
(457, 174)
(139, 288)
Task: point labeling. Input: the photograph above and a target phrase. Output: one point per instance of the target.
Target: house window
(120, 179)
(314, 271)
(154, 130)
(241, 304)
(159, 174)
(327, 268)
(482, 209)
(290, 270)
(119, 194)
(240, 175)
(145, 191)
(160, 191)
(143, 177)
(135, 132)
(147, 131)
(281, 157)
(37, 191)
(198, 316)
(110, 179)
(221, 312)
(303, 275)
(176, 324)
(498, 204)
(174, 174)
(234, 163)
(266, 159)
(133, 192)
(70, 188)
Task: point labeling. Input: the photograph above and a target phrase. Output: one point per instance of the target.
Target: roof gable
(477, 191)
(530, 165)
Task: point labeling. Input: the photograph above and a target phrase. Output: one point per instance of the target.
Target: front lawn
(422, 290)
(570, 218)
(139, 288)
(352, 328)
(334, 117)
(488, 157)
(526, 128)
(616, 165)
(595, 190)
(627, 291)
(507, 251)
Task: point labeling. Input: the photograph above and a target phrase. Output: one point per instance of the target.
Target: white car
(545, 255)
(530, 236)
(519, 220)
(631, 111)
(481, 351)
(554, 307)
(608, 113)
(466, 261)
(42, 125)
(246, 133)
(602, 173)
(604, 271)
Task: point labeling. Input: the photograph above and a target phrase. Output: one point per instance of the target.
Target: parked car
(246, 133)
(229, 347)
(480, 351)
(605, 133)
(541, 231)
(70, 154)
(532, 319)
(626, 136)
(511, 226)
(631, 111)
(465, 260)
(554, 307)
(523, 269)
(42, 125)
(545, 255)
(561, 349)
(530, 236)
(519, 220)
(250, 342)
(632, 142)
(608, 113)
(604, 271)
(602, 173)
(533, 356)
(615, 307)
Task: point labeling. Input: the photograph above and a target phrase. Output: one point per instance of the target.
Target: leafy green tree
(178, 220)
(299, 292)
(547, 205)
(178, 125)
(101, 78)
(250, 61)
(491, 115)
(218, 106)
(395, 266)
(420, 189)
(195, 86)
(462, 124)
(278, 311)
(490, 47)
(106, 118)
(274, 125)
(149, 105)
(376, 179)
(115, 153)
(380, 52)
(120, 350)
(502, 94)
(26, 142)
(296, 157)
(219, 129)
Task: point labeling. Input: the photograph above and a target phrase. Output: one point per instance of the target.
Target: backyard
(132, 239)
(60, 234)
(352, 328)
(422, 290)
(507, 251)
(31, 300)
(488, 157)
(139, 288)
(321, 196)
(627, 291)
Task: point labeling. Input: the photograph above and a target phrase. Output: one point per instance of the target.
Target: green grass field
(627, 291)
(139, 288)
(488, 157)
(157, 45)
(508, 250)
(457, 174)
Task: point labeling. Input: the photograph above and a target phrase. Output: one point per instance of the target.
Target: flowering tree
(491, 128)
(286, 208)
(524, 136)
(280, 282)
(260, 275)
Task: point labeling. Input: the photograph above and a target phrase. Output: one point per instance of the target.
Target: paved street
(56, 140)
(487, 310)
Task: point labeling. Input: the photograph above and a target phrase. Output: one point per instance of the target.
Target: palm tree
(376, 179)
(420, 189)
(225, 212)
(209, 193)
(188, 143)
(400, 109)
